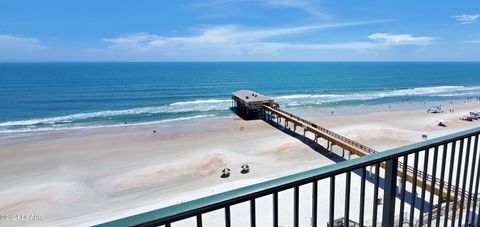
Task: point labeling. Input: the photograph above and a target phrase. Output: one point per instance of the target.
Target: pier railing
(411, 172)
(454, 158)
(329, 132)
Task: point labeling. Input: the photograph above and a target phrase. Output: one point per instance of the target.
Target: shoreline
(312, 112)
(111, 172)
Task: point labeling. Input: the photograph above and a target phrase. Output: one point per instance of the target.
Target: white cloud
(359, 46)
(228, 34)
(401, 39)
(19, 43)
(467, 18)
(472, 41)
(306, 6)
(236, 42)
(222, 6)
(19, 48)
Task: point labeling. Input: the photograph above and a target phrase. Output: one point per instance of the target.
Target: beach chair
(442, 123)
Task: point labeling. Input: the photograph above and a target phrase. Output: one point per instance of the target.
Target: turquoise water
(47, 96)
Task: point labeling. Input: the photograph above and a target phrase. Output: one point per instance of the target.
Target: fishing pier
(453, 199)
(271, 112)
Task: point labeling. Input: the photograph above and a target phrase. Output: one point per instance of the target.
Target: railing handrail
(369, 150)
(329, 132)
(213, 202)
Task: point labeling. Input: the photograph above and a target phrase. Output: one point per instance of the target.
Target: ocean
(52, 96)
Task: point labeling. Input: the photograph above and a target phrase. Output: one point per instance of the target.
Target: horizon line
(261, 61)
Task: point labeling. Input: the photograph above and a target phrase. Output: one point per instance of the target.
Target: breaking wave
(178, 107)
(440, 91)
(203, 107)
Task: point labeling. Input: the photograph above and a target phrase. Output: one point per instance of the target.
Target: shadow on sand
(370, 177)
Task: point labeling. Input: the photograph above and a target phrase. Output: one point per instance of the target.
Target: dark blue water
(44, 96)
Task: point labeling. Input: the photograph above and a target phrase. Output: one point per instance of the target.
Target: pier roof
(251, 96)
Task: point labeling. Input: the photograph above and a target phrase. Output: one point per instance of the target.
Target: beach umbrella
(226, 171)
(245, 168)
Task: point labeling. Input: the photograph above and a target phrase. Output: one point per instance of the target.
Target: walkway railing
(430, 180)
(454, 158)
(331, 133)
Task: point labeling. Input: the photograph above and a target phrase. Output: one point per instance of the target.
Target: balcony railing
(343, 193)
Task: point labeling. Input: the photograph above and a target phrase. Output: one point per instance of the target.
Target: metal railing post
(390, 190)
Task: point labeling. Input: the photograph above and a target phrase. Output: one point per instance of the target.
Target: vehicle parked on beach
(476, 115)
(467, 118)
(435, 109)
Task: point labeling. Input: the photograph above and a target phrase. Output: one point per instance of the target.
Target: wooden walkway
(332, 137)
(356, 148)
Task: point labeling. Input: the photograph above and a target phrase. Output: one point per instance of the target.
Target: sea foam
(198, 107)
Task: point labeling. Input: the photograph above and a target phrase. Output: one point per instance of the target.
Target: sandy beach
(87, 176)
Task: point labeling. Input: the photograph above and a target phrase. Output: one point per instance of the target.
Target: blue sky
(235, 30)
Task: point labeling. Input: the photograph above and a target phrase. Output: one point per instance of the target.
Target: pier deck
(442, 210)
(356, 148)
